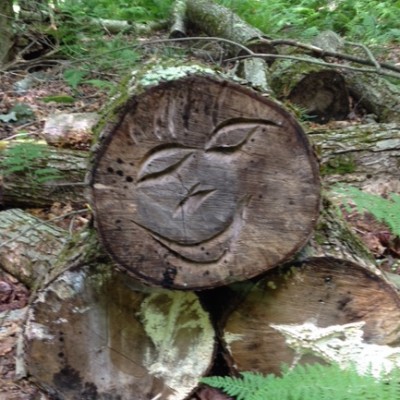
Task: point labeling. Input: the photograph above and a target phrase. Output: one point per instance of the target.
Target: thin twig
(311, 61)
(327, 53)
(368, 52)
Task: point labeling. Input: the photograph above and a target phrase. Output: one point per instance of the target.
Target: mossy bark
(320, 93)
(366, 156)
(37, 175)
(375, 94)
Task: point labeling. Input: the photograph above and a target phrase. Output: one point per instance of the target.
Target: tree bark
(366, 156)
(375, 94)
(218, 21)
(6, 31)
(40, 175)
(29, 246)
(201, 182)
(178, 26)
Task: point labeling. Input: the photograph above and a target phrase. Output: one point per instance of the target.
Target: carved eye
(163, 162)
(234, 134)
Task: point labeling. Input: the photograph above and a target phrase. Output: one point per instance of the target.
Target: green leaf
(62, 98)
(100, 84)
(74, 77)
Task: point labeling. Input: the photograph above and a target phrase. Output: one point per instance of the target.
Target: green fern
(308, 382)
(384, 210)
(29, 158)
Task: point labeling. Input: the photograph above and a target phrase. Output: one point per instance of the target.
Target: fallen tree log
(94, 332)
(199, 182)
(37, 175)
(366, 155)
(375, 94)
(286, 317)
(294, 313)
(29, 246)
(321, 93)
(218, 21)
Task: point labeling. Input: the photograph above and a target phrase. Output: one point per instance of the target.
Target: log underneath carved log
(94, 333)
(321, 292)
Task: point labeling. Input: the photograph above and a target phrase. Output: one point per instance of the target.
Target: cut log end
(319, 296)
(323, 95)
(203, 182)
(93, 333)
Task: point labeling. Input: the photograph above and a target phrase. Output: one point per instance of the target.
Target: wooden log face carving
(202, 183)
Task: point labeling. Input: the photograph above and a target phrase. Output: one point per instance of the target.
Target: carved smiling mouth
(212, 250)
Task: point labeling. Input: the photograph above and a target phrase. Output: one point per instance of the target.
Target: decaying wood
(28, 187)
(178, 26)
(366, 155)
(201, 182)
(29, 246)
(216, 20)
(70, 130)
(375, 94)
(321, 292)
(320, 92)
(95, 333)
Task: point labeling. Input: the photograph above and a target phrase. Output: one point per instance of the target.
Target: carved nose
(196, 196)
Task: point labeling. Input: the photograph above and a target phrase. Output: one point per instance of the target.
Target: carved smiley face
(197, 188)
(186, 195)
(189, 196)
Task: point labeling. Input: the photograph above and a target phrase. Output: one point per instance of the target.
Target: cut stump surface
(323, 292)
(93, 333)
(203, 182)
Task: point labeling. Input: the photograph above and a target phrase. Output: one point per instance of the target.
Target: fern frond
(310, 382)
(384, 210)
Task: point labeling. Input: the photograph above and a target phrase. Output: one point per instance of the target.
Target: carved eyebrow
(163, 162)
(234, 133)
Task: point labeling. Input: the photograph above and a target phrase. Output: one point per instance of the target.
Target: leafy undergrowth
(311, 382)
(371, 21)
(376, 220)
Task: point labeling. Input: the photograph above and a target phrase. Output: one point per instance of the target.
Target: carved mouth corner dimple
(192, 201)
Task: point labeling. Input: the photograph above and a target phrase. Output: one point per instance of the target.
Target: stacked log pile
(209, 232)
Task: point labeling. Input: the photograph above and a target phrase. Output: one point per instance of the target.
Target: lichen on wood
(95, 332)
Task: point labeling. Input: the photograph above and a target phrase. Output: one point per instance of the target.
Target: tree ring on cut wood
(202, 182)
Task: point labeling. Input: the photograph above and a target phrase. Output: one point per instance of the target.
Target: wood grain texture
(93, 333)
(322, 291)
(203, 182)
